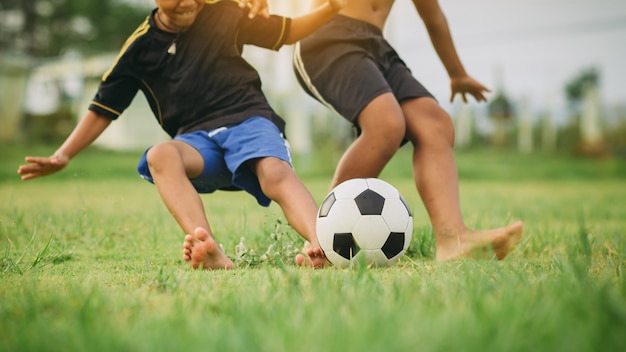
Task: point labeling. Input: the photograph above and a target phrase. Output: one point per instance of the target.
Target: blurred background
(555, 67)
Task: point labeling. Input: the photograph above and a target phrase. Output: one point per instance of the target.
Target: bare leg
(383, 128)
(280, 183)
(432, 134)
(171, 164)
(384, 123)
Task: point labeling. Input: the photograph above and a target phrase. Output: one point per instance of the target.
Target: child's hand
(257, 7)
(337, 4)
(42, 166)
(466, 84)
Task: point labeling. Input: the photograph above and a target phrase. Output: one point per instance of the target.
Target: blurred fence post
(548, 132)
(463, 133)
(592, 141)
(13, 77)
(525, 128)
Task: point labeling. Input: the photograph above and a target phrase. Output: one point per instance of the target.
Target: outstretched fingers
(37, 166)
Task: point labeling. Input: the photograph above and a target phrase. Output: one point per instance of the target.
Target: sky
(529, 49)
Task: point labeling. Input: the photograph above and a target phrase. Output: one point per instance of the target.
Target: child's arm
(304, 25)
(437, 26)
(85, 132)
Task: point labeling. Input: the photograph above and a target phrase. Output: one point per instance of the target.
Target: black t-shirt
(206, 84)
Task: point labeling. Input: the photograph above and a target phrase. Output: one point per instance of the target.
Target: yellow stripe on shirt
(282, 34)
(117, 113)
(141, 30)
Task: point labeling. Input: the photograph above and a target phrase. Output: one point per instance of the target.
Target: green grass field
(90, 261)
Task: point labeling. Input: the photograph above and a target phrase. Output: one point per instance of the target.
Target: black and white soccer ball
(364, 220)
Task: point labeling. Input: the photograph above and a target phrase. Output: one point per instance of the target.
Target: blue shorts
(225, 151)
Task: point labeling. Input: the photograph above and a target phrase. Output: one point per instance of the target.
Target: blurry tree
(501, 113)
(575, 88)
(585, 109)
(45, 28)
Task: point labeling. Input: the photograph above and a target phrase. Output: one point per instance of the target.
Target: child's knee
(273, 171)
(432, 129)
(159, 155)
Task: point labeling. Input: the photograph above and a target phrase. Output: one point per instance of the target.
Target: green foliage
(476, 164)
(90, 261)
(49, 128)
(500, 107)
(54, 26)
(575, 88)
(510, 166)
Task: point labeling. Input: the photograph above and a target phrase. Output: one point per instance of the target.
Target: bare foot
(201, 251)
(501, 241)
(315, 257)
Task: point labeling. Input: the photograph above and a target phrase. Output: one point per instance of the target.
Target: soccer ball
(364, 220)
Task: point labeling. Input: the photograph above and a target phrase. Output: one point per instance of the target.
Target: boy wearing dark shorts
(186, 59)
(349, 63)
(348, 66)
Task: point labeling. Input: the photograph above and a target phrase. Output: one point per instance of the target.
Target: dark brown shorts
(347, 63)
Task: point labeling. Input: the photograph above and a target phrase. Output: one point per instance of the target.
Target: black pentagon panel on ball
(345, 246)
(394, 244)
(326, 205)
(370, 202)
